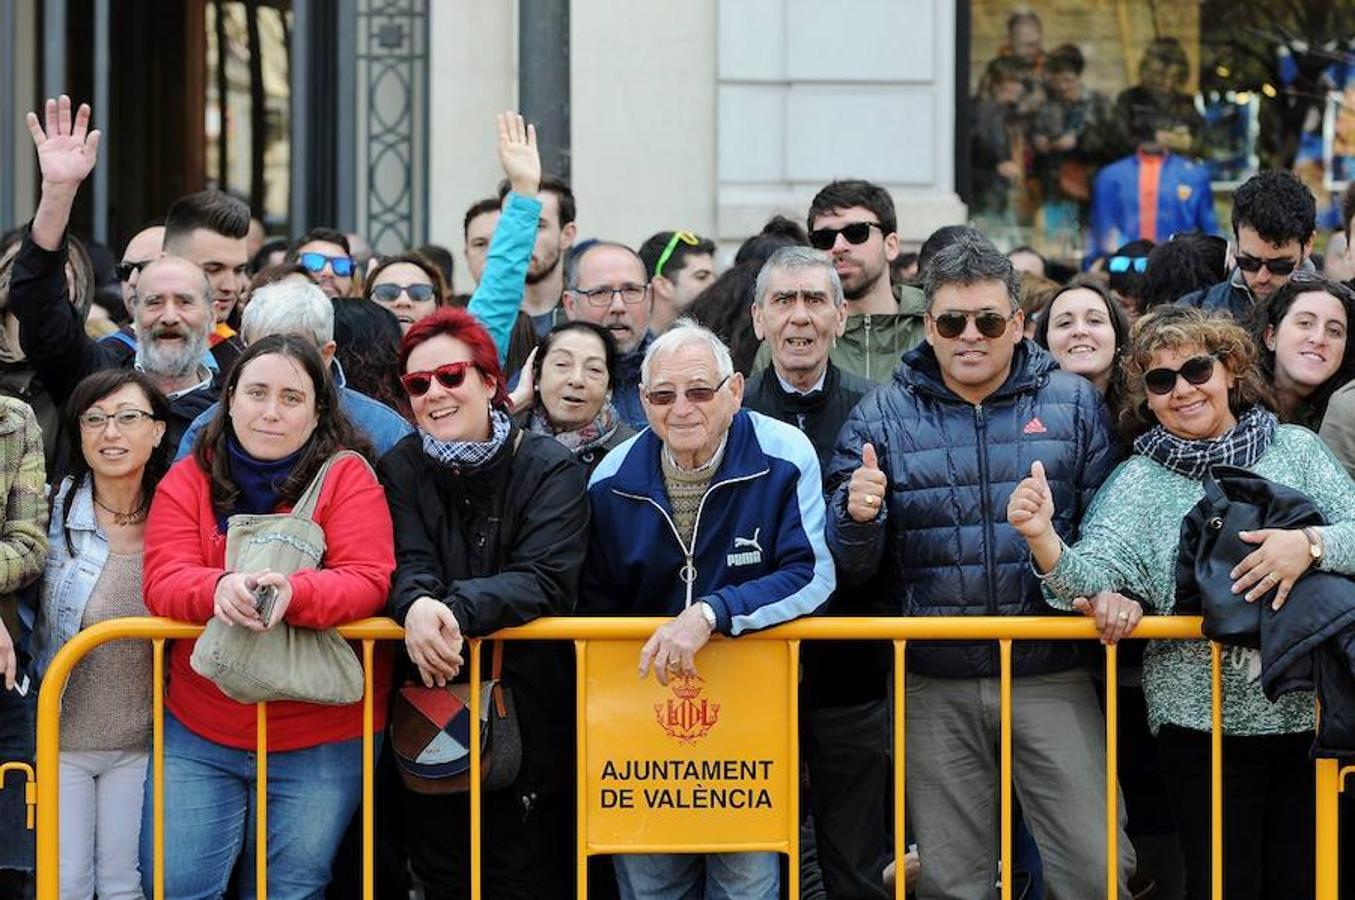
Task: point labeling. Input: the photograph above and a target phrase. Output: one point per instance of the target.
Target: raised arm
(499, 294)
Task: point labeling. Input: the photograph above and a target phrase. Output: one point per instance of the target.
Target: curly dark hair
(88, 392)
(367, 346)
(1267, 316)
(1186, 263)
(1176, 327)
(1278, 206)
(333, 431)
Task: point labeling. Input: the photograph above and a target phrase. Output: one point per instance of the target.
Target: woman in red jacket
(278, 422)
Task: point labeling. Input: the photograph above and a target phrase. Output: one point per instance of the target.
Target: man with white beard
(171, 308)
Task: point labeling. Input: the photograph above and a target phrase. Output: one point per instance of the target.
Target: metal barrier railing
(1329, 776)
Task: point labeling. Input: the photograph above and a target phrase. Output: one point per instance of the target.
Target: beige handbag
(286, 662)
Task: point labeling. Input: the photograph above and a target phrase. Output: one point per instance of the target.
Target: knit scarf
(580, 440)
(1242, 445)
(469, 454)
(258, 481)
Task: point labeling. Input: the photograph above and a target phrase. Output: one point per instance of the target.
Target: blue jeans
(693, 876)
(210, 815)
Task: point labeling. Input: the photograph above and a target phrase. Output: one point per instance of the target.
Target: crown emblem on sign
(687, 716)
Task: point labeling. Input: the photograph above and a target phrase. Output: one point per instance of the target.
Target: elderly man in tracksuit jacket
(918, 486)
(714, 516)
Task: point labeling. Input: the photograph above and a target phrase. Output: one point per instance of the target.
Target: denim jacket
(68, 580)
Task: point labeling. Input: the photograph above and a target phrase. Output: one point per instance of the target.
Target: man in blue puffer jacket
(918, 491)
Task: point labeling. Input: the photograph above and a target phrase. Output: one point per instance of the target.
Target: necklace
(132, 517)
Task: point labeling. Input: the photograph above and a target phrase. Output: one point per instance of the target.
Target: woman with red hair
(490, 525)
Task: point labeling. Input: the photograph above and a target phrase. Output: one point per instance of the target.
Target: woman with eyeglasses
(1302, 330)
(1195, 397)
(491, 526)
(566, 391)
(115, 430)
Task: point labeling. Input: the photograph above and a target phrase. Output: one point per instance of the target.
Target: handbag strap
(305, 504)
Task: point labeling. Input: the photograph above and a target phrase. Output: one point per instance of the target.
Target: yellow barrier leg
(1216, 772)
(900, 772)
(158, 757)
(475, 770)
(1005, 650)
(1112, 773)
(1328, 858)
(368, 780)
(581, 766)
(793, 754)
(261, 801)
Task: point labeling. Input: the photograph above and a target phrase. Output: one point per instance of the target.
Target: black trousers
(1268, 821)
(526, 842)
(846, 750)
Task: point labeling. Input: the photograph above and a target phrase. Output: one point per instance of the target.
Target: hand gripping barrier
(686, 718)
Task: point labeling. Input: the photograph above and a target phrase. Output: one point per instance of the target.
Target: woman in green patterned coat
(1195, 398)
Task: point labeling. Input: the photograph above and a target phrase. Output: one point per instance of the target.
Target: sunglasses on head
(1121, 264)
(450, 376)
(855, 233)
(315, 262)
(1274, 266)
(1196, 370)
(125, 269)
(668, 396)
(389, 293)
(686, 237)
(990, 324)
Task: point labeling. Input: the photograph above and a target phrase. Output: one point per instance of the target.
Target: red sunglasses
(450, 376)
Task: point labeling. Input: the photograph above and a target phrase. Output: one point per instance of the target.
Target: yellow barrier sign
(703, 762)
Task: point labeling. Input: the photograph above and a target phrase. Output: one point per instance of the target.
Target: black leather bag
(1235, 499)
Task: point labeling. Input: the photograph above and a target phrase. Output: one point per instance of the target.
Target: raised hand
(1031, 507)
(67, 149)
(518, 154)
(866, 490)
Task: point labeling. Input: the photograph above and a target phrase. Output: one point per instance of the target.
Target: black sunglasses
(855, 233)
(389, 293)
(1274, 266)
(990, 324)
(1196, 370)
(125, 269)
(451, 376)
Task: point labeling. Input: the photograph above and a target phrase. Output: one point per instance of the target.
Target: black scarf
(258, 480)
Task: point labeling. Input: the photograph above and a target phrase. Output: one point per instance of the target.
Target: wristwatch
(1316, 549)
(709, 612)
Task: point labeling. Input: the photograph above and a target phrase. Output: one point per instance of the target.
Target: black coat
(835, 673)
(1309, 644)
(819, 414)
(501, 546)
(944, 545)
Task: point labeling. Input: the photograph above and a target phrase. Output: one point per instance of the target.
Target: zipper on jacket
(688, 571)
(986, 505)
(870, 372)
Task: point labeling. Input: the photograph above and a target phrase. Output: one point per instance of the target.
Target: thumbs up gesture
(866, 490)
(1031, 508)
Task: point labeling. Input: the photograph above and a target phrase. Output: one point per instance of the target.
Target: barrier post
(475, 795)
(580, 767)
(1327, 857)
(368, 774)
(261, 799)
(1112, 772)
(1005, 652)
(900, 800)
(1216, 771)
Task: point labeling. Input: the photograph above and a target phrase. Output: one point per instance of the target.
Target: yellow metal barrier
(1330, 778)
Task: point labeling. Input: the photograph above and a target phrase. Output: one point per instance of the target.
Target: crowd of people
(828, 427)
(1049, 151)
